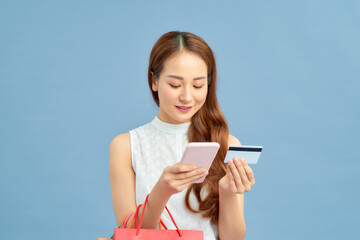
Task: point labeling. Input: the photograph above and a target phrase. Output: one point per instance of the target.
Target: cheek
(200, 96)
(166, 95)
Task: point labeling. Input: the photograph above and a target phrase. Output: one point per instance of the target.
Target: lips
(183, 108)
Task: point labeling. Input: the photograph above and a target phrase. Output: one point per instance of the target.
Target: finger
(231, 180)
(244, 177)
(249, 172)
(192, 179)
(229, 174)
(180, 168)
(237, 178)
(186, 175)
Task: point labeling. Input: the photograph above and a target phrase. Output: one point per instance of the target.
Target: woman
(182, 78)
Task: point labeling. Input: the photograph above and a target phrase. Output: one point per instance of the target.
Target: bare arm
(122, 177)
(239, 179)
(174, 179)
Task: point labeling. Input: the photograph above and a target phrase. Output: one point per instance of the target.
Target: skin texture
(186, 92)
(173, 93)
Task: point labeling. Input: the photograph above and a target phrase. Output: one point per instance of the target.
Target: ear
(154, 83)
(155, 86)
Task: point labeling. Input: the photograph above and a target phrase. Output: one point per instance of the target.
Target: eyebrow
(181, 78)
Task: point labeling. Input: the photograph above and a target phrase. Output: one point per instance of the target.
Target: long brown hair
(207, 125)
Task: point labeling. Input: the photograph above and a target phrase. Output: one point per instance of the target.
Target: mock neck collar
(170, 127)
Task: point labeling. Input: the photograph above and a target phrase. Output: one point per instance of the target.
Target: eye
(198, 86)
(174, 86)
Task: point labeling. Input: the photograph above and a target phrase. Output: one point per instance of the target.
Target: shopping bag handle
(136, 214)
(163, 224)
(142, 215)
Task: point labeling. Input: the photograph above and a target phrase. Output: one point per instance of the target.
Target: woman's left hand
(239, 177)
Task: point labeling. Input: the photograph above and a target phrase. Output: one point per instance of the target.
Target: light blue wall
(73, 75)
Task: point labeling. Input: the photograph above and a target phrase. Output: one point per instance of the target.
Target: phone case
(200, 154)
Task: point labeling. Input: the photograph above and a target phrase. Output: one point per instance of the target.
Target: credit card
(251, 154)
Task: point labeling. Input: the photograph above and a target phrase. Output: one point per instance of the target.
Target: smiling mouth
(183, 109)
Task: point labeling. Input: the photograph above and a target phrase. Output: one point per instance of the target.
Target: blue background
(73, 75)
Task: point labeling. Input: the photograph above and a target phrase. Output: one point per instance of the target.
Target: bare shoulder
(120, 143)
(233, 140)
(121, 140)
(120, 154)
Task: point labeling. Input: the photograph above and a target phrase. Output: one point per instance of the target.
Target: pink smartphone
(200, 154)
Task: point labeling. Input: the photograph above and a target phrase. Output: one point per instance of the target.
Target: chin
(187, 118)
(183, 119)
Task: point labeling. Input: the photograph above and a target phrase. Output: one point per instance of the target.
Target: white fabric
(153, 147)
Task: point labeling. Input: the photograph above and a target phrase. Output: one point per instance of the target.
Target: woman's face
(182, 87)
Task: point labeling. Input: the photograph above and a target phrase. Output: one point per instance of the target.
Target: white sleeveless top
(155, 146)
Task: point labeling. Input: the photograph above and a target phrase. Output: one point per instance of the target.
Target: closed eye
(198, 86)
(174, 86)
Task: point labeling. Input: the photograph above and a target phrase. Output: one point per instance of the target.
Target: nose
(185, 96)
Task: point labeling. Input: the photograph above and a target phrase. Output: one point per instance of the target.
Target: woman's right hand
(179, 176)
(173, 180)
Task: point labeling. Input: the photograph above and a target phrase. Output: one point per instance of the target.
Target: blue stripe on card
(245, 149)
